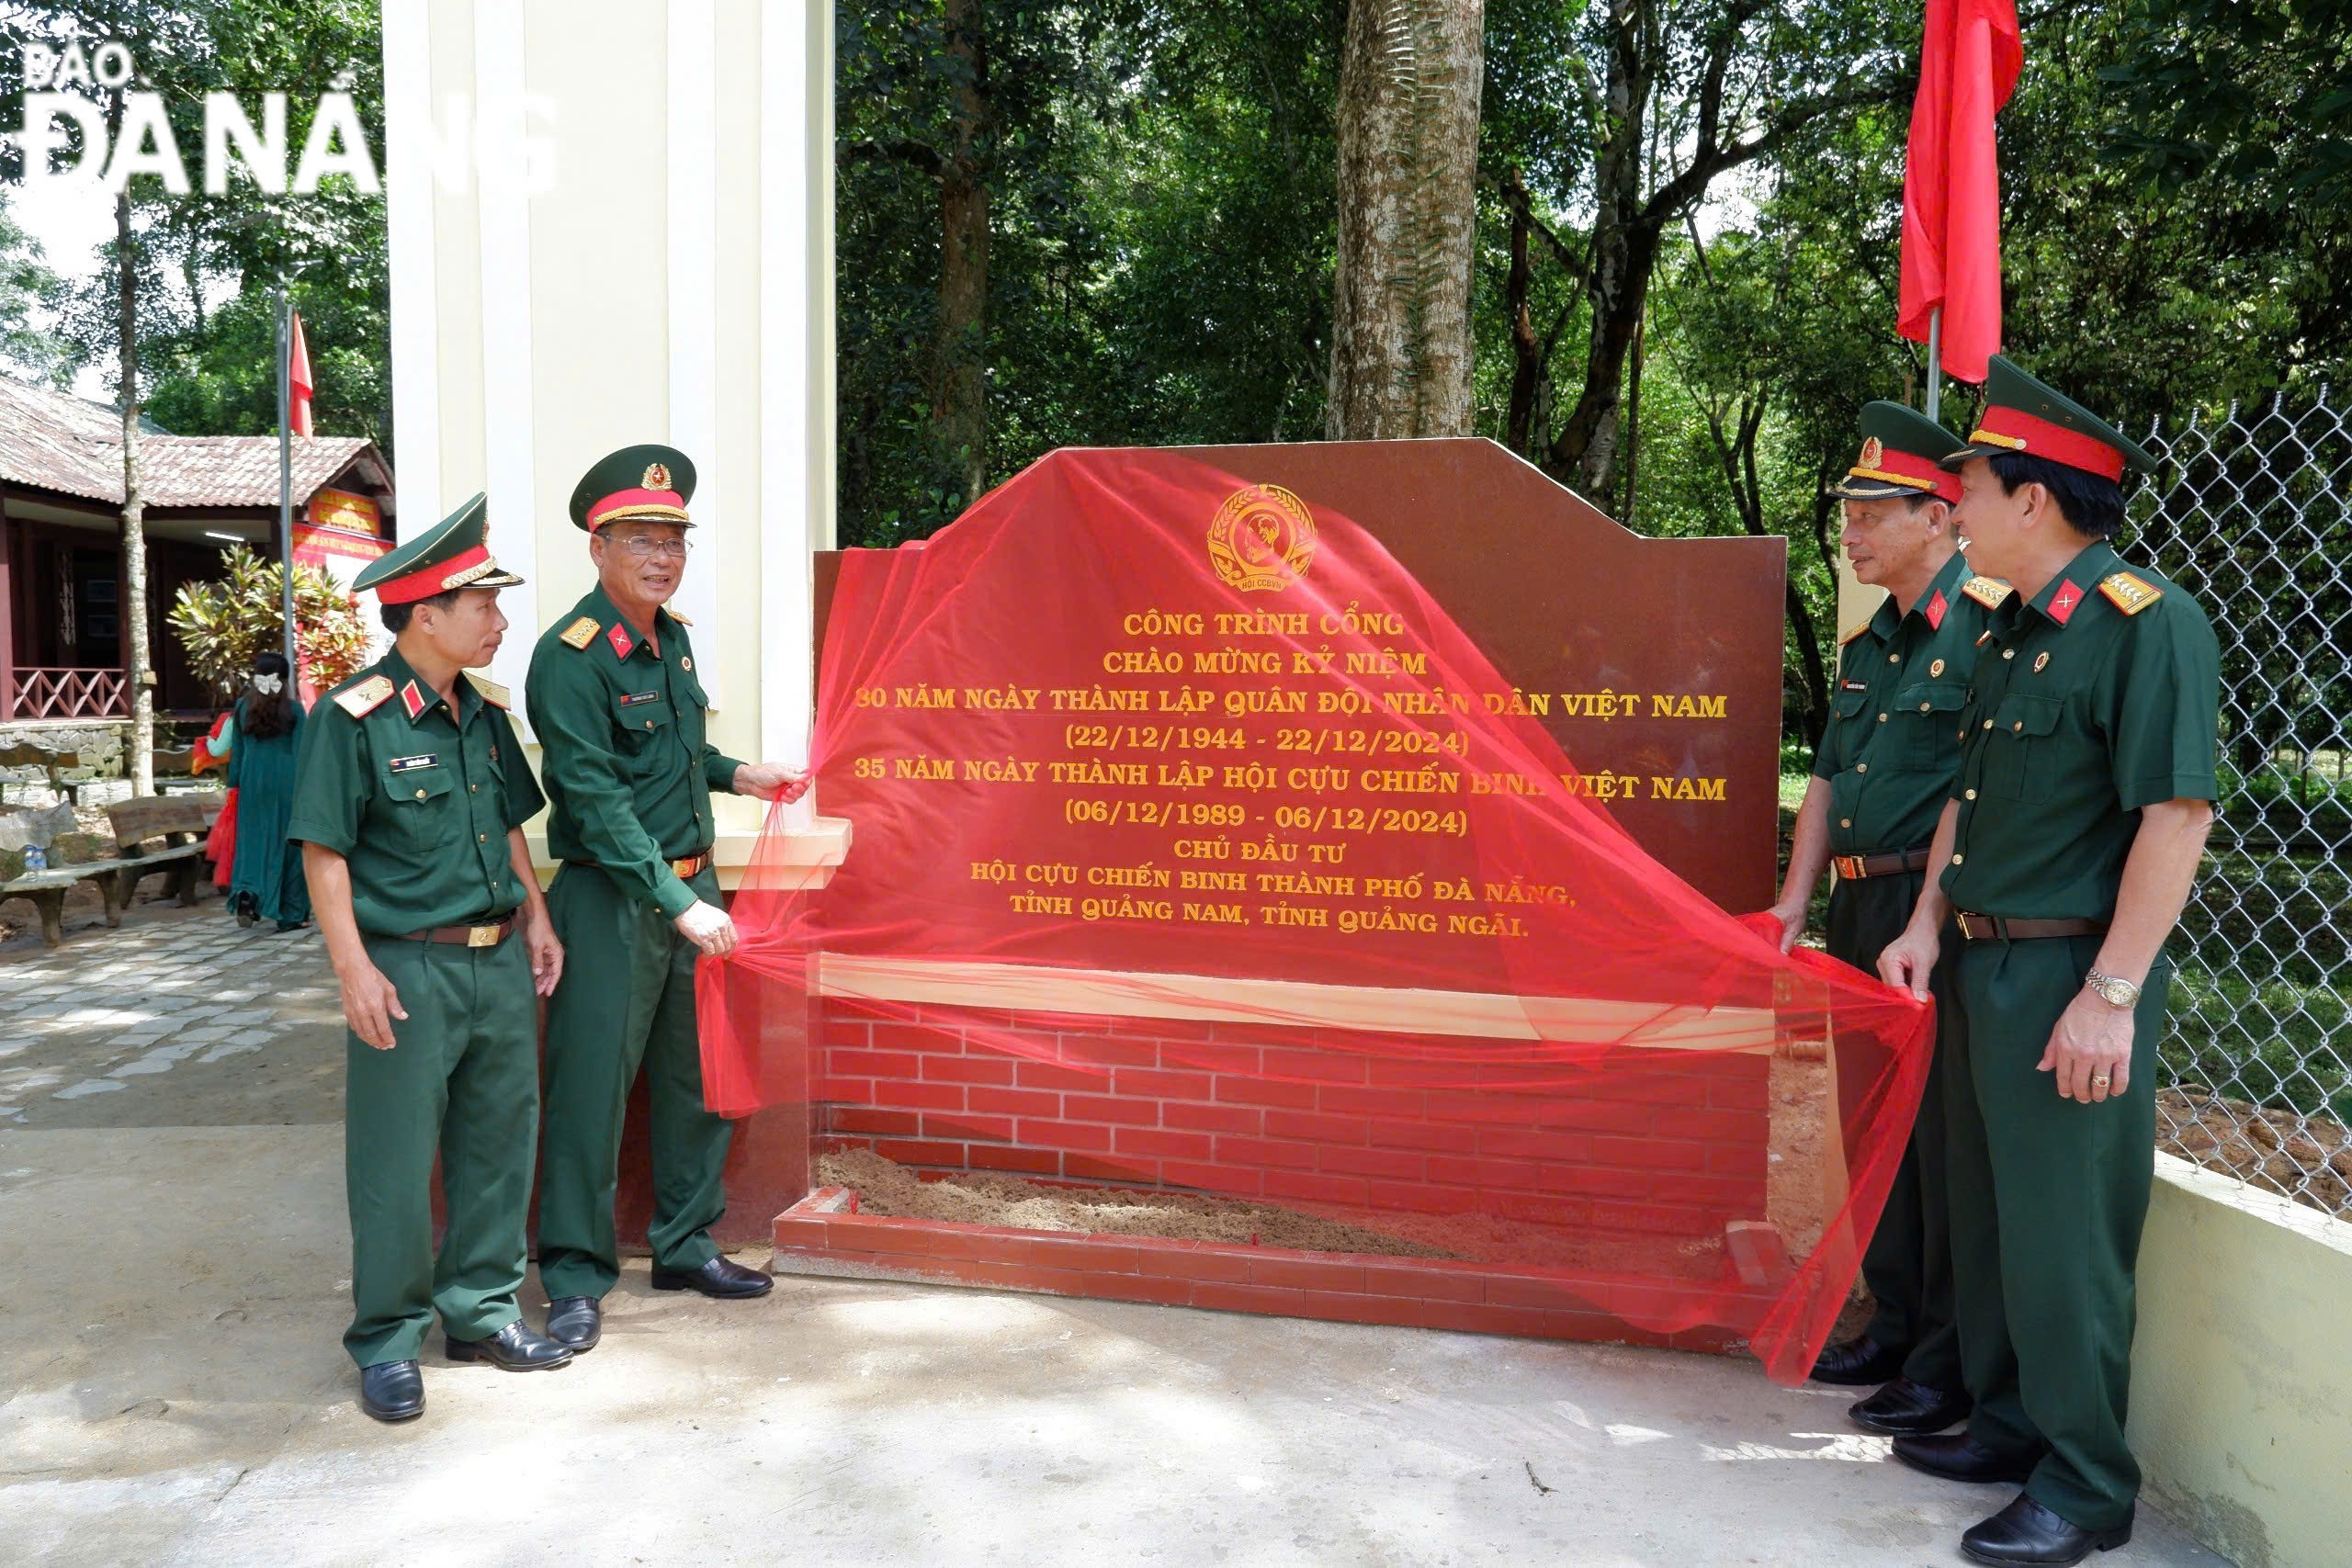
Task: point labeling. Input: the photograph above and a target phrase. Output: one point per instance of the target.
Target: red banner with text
(1137, 750)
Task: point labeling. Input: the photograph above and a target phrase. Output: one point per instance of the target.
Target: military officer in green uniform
(1879, 780)
(408, 805)
(620, 714)
(2062, 860)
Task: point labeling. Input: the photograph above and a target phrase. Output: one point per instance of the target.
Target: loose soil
(2306, 1158)
(888, 1188)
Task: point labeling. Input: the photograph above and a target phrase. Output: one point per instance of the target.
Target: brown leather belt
(1853, 868)
(1994, 928)
(489, 934)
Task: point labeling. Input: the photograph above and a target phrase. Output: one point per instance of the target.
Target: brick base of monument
(821, 1235)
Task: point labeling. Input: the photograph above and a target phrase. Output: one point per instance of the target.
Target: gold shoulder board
(491, 692)
(582, 632)
(1986, 591)
(2129, 594)
(1844, 638)
(682, 620)
(366, 697)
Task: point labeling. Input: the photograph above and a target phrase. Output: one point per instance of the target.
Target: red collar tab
(661, 505)
(1935, 611)
(2022, 432)
(411, 699)
(618, 635)
(441, 576)
(2063, 603)
(1889, 466)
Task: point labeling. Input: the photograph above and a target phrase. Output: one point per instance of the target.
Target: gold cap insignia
(657, 476)
(1874, 454)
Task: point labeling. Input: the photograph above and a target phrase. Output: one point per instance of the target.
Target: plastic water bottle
(35, 859)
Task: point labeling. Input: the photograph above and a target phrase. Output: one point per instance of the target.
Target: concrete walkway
(172, 1391)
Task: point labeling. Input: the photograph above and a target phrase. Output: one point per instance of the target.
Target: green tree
(29, 291)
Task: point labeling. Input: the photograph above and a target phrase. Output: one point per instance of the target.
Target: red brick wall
(1656, 1141)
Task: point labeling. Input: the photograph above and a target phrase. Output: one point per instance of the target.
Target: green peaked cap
(453, 553)
(1901, 450)
(651, 482)
(2022, 414)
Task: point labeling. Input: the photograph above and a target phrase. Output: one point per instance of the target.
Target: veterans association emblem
(1263, 539)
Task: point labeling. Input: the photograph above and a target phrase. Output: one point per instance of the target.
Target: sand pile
(983, 1199)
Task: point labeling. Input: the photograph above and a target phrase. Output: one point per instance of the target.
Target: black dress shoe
(514, 1348)
(717, 1278)
(391, 1390)
(576, 1322)
(2026, 1533)
(1857, 1364)
(1911, 1409)
(1962, 1458)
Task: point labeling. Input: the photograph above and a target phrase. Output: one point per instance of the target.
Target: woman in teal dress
(264, 740)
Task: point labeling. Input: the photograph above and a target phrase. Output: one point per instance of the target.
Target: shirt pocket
(422, 805)
(1929, 713)
(2019, 764)
(645, 725)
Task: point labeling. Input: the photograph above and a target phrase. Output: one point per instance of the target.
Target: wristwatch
(2122, 994)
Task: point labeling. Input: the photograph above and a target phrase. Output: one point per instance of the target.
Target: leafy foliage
(224, 624)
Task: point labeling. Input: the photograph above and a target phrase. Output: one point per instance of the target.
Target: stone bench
(175, 827)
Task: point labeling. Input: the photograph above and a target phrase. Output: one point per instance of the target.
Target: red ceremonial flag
(1969, 62)
(298, 381)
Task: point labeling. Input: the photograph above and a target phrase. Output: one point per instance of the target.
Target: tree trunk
(1409, 77)
(960, 418)
(138, 676)
(1526, 353)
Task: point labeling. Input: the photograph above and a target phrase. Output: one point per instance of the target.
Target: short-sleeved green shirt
(418, 799)
(2100, 697)
(1891, 749)
(621, 724)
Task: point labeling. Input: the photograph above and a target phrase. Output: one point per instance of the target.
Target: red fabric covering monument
(1139, 739)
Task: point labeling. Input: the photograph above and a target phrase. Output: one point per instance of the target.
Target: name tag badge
(412, 764)
(1853, 685)
(633, 698)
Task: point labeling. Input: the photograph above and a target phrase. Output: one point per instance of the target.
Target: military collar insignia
(618, 635)
(413, 700)
(581, 633)
(366, 697)
(2129, 594)
(2063, 602)
(494, 694)
(1986, 591)
(1935, 610)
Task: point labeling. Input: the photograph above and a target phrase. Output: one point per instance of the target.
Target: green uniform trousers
(461, 1080)
(627, 1001)
(1908, 1260)
(2048, 1196)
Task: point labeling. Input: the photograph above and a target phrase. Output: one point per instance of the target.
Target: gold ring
(2100, 1081)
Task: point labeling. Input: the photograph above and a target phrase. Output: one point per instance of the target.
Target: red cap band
(424, 584)
(1909, 469)
(664, 505)
(2015, 428)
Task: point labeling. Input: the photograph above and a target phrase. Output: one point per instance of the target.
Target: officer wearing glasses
(629, 767)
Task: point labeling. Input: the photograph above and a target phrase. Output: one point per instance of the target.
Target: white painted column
(415, 296)
(795, 359)
(502, 199)
(692, 217)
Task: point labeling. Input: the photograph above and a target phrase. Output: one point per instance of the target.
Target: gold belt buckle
(689, 866)
(481, 936)
(1849, 867)
(1961, 916)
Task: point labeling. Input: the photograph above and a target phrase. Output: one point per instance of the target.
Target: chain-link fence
(2254, 517)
